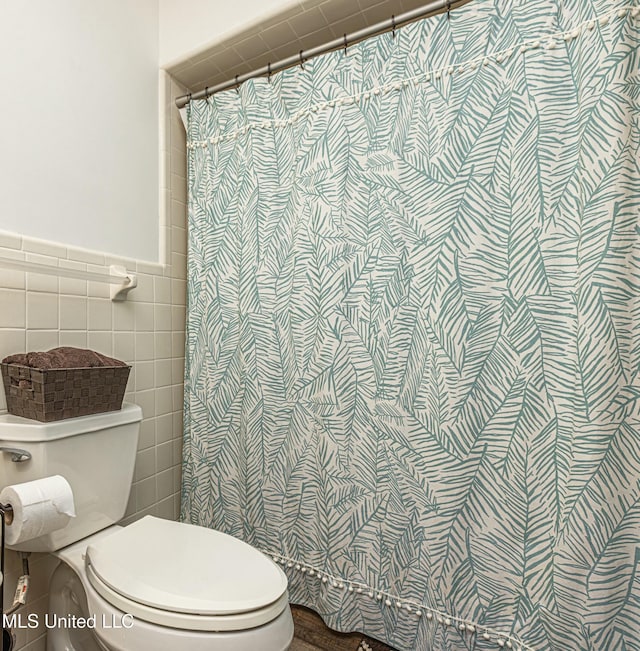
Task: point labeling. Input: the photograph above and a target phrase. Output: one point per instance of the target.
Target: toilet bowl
(153, 584)
(123, 620)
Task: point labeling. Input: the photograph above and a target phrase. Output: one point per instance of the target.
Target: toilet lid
(185, 569)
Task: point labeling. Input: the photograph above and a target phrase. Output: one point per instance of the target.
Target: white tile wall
(147, 330)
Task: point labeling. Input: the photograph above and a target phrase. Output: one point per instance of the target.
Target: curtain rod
(430, 9)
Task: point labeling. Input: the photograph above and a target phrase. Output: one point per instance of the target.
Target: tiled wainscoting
(38, 312)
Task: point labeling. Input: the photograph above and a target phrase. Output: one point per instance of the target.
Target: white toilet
(154, 584)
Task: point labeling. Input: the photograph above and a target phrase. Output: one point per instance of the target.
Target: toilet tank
(95, 454)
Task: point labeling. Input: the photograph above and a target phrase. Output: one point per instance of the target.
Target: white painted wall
(189, 26)
(79, 127)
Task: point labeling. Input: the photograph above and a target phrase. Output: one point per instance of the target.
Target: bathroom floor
(311, 634)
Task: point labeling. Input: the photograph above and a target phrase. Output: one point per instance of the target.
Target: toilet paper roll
(39, 507)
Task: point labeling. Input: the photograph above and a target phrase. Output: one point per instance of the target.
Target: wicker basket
(55, 394)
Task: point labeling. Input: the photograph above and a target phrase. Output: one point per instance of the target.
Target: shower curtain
(413, 338)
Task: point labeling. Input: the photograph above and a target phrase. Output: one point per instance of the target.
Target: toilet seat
(186, 577)
(189, 622)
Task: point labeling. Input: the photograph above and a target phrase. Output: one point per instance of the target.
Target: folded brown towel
(63, 357)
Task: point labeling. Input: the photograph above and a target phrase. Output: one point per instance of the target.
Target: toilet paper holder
(17, 454)
(6, 517)
(6, 512)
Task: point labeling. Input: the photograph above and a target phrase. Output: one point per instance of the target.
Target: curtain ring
(269, 72)
(345, 45)
(449, 10)
(237, 84)
(393, 25)
(206, 94)
(301, 61)
(189, 98)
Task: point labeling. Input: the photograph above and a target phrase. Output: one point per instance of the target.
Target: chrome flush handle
(17, 455)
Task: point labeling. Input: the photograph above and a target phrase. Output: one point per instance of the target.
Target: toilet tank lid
(16, 428)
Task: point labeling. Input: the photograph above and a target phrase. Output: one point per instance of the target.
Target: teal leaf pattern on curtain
(413, 338)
